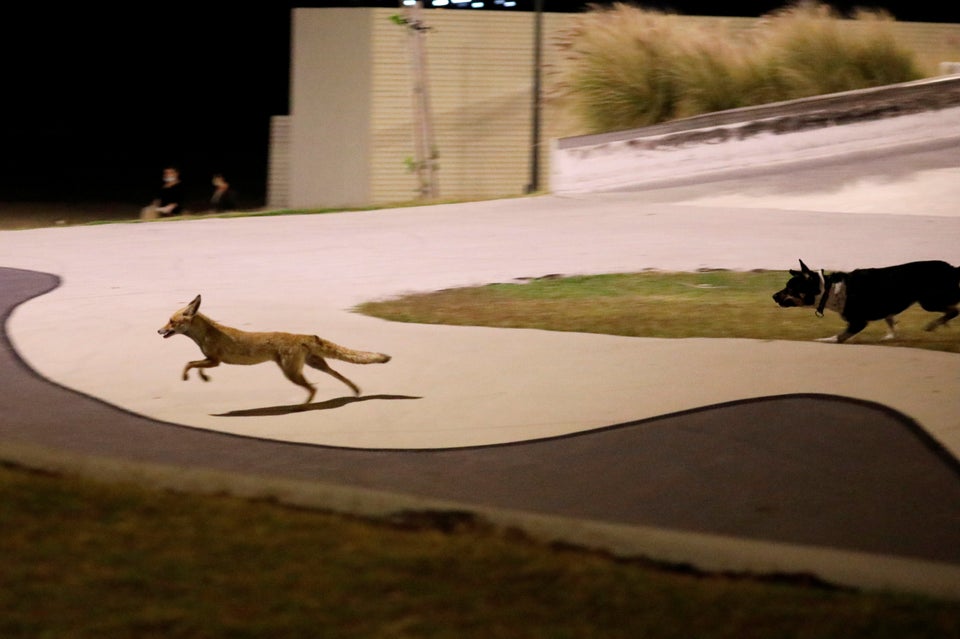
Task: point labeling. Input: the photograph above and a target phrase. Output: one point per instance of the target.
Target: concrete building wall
(351, 126)
(351, 129)
(330, 101)
(479, 69)
(278, 169)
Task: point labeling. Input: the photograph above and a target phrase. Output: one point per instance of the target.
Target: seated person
(224, 197)
(169, 200)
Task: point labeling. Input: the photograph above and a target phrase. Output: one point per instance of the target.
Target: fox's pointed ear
(193, 306)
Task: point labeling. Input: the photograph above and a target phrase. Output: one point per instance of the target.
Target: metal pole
(429, 144)
(534, 184)
(425, 154)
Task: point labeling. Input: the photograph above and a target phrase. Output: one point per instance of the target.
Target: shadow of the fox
(288, 409)
(222, 344)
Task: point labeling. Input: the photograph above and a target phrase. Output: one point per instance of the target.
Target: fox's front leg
(200, 364)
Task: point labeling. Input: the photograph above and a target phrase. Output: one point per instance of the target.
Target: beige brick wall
(352, 106)
(330, 96)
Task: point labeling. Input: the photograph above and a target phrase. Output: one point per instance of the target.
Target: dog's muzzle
(785, 299)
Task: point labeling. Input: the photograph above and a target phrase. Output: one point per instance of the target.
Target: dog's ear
(193, 306)
(804, 267)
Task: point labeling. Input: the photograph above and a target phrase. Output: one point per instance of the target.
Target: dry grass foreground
(84, 559)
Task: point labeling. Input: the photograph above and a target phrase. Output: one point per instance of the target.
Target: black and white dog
(869, 294)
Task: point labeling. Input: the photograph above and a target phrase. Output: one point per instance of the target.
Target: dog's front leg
(852, 329)
(200, 364)
(891, 321)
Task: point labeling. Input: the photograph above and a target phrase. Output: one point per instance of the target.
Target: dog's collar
(834, 295)
(825, 287)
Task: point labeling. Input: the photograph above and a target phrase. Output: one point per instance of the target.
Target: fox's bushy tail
(327, 348)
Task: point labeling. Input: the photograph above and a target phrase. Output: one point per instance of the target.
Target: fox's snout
(172, 327)
(180, 321)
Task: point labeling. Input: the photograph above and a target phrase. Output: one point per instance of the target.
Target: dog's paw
(828, 340)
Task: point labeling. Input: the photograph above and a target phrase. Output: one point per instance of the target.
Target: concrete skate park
(727, 454)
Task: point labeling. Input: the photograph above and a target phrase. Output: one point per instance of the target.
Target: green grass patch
(651, 304)
(86, 559)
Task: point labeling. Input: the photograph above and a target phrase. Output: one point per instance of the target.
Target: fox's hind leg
(292, 367)
(320, 364)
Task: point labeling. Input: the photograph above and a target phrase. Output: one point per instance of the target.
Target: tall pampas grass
(624, 67)
(618, 67)
(817, 51)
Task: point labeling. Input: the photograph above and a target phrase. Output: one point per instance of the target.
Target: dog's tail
(327, 348)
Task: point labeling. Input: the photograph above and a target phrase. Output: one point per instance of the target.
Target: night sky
(96, 100)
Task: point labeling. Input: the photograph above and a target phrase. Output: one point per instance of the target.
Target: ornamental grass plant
(625, 67)
(816, 51)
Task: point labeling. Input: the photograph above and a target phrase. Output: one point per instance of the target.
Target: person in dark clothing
(224, 197)
(170, 198)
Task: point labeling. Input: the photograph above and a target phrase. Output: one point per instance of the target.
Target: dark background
(96, 100)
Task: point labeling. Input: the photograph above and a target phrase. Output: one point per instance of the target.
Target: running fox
(233, 346)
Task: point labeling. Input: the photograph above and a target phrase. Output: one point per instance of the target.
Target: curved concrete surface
(97, 332)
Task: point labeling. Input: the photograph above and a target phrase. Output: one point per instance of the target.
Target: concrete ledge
(766, 135)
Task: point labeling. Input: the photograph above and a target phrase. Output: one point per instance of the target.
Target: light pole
(534, 184)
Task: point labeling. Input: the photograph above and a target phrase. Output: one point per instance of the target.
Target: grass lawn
(652, 304)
